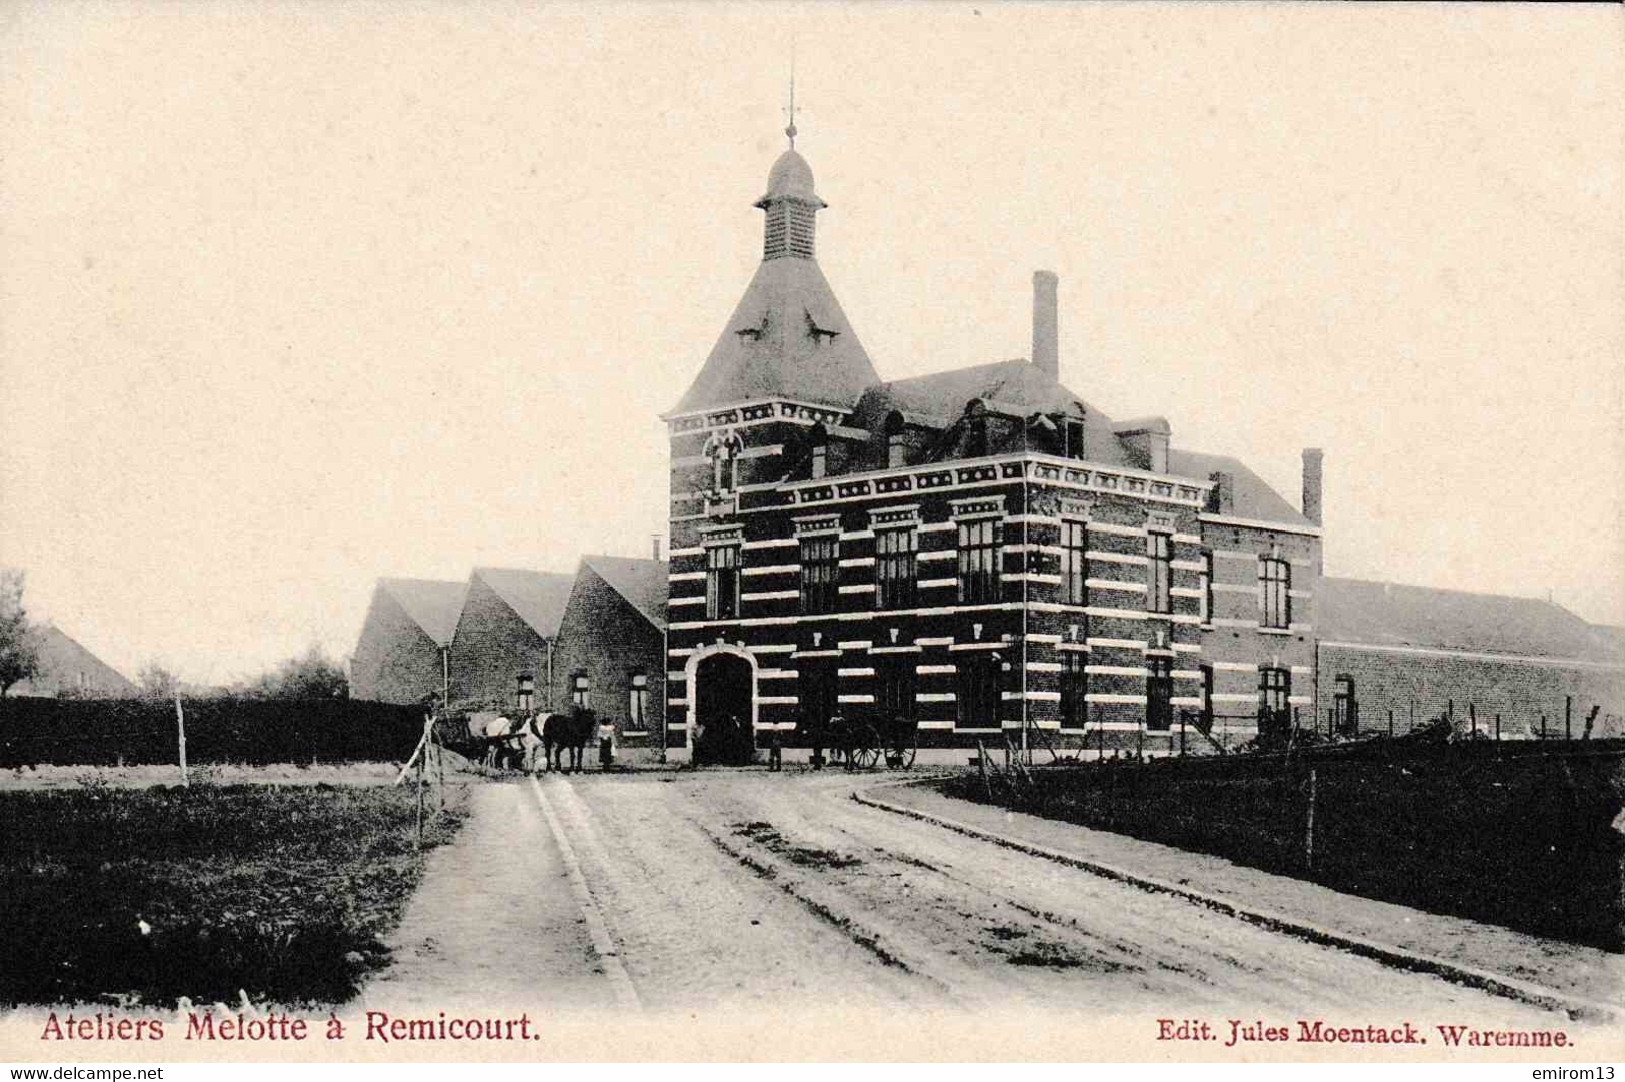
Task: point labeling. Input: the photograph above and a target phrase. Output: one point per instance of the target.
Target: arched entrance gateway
(724, 688)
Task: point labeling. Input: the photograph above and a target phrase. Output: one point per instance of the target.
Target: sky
(294, 296)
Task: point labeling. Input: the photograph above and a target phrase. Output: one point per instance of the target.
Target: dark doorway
(723, 686)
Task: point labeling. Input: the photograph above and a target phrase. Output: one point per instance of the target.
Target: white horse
(509, 742)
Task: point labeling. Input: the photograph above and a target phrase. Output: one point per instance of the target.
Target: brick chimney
(1046, 324)
(1312, 457)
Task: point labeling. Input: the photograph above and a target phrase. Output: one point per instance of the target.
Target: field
(146, 894)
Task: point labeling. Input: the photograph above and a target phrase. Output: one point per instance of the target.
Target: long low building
(1394, 655)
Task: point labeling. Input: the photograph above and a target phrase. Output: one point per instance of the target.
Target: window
(1074, 689)
(820, 460)
(896, 449)
(817, 691)
(1207, 587)
(1274, 691)
(894, 687)
(1074, 439)
(1345, 707)
(637, 706)
(977, 698)
(979, 561)
(1159, 549)
(524, 697)
(580, 691)
(976, 444)
(723, 450)
(722, 582)
(1075, 562)
(1159, 694)
(894, 569)
(820, 559)
(1274, 598)
(1207, 698)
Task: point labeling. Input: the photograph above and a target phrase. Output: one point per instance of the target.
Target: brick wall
(1425, 685)
(395, 661)
(605, 638)
(492, 648)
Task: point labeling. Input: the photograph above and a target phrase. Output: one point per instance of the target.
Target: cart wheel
(906, 759)
(866, 756)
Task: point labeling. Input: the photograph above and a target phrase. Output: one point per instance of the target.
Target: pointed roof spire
(790, 129)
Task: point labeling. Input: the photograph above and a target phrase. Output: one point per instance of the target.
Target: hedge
(132, 732)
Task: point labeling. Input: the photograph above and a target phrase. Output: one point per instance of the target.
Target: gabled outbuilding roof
(61, 661)
(432, 604)
(536, 597)
(643, 583)
(1392, 614)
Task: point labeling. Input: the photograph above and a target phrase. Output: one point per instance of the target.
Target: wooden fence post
(1472, 715)
(180, 731)
(1309, 826)
(1390, 723)
(1568, 717)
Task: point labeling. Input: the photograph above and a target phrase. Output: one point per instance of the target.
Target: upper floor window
(1075, 562)
(1074, 438)
(1274, 592)
(976, 444)
(721, 582)
(894, 568)
(979, 561)
(580, 691)
(896, 449)
(1159, 551)
(724, 449)
(820, 559)
(524, 697)
(1159, 694)
(637, 705)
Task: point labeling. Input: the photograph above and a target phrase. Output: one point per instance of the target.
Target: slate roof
(433, 604)
(537, 597)
(1392, 614)
(1252, 497)
(644, 583)
(769, 348)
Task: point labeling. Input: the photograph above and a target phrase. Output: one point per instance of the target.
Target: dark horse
(561, 732)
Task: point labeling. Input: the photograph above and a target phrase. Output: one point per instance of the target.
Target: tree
(311, 675)
(19, 644)
(157, 682)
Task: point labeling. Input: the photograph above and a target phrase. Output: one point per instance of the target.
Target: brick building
(978, 549)
(501, 653)
(401, 655)
(1417, 653)
(611, 646)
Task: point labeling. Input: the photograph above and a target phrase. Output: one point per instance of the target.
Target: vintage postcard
(1084, 532)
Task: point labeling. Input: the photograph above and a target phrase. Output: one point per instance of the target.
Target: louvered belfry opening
(789, 229)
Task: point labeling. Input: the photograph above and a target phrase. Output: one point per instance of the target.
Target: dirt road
(717, 889)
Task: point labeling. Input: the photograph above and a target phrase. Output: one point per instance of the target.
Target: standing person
(775, 750)
(606, 744)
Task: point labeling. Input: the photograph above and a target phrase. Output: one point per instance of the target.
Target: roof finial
(790, 129)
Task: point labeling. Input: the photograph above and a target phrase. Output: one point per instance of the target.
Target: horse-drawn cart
(862, 741)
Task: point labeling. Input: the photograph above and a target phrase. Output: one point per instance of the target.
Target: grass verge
(142, 896)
